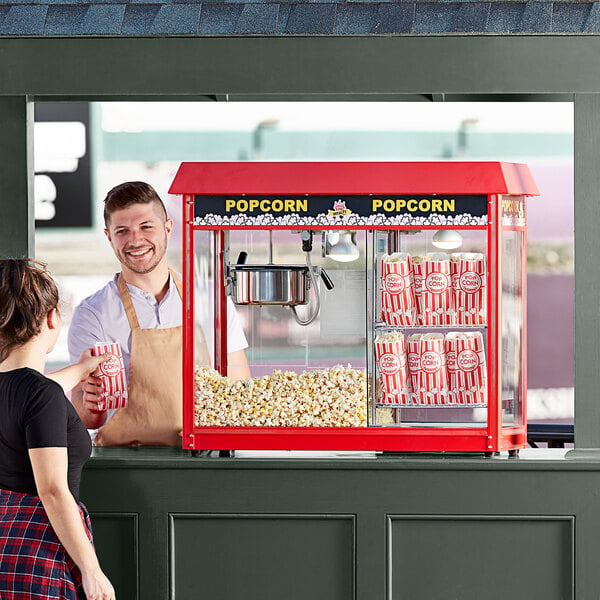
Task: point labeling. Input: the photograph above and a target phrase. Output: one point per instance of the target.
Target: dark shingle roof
(269, 17)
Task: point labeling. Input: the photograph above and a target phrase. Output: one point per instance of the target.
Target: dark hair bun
(27, 294)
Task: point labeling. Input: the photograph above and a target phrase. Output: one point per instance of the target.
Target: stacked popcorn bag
(436, 306)
(427, 365)
(432, 369)
(469, 283)
(435, 289)
(112, 377)
(398, 305)
(467, 375)
(390, 351)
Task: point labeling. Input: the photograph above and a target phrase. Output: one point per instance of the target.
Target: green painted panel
(236, 557)
(116, 542)
(198, 516)
(287, 66)
(16, 177)
(587, 274)
(470, 558)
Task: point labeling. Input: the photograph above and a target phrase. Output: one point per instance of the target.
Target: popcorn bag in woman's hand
(112, 376)
(398, 306)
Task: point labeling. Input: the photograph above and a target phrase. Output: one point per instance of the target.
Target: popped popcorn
(334, 397)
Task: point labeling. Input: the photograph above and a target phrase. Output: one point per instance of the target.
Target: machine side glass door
(513, 309)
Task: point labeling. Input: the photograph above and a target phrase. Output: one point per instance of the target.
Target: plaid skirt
(33, 562)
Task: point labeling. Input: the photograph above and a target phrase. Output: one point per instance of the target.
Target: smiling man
(140, 308)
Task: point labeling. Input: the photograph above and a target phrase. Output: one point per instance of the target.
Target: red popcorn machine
(379, 306)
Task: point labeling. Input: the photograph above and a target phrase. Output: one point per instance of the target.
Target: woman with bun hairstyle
(45, 536)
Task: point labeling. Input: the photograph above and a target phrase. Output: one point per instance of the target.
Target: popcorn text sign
(344, 211)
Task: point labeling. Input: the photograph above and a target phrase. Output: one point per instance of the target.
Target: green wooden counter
(411, 527)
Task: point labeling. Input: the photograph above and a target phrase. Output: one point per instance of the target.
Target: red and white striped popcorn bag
(451, 344)
(467, 372)
(418, 273)
(437, 306)
(390, 353)
(433, 365)
(414, 362)
(387, 310)
(112, 377)
(427, 368)
(398, 306)
(469, 285)
(454, 263)
(450, 347)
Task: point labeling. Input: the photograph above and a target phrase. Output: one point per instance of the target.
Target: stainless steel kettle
(270, 284)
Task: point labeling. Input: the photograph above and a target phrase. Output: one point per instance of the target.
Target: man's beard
(140, 268)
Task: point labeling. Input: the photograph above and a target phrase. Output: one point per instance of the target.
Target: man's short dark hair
(129, 193)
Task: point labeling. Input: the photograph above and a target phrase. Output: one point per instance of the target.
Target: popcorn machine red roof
(402, 327)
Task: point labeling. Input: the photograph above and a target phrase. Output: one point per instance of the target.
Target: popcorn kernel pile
(334, 397)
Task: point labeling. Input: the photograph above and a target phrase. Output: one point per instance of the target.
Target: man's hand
(91, 386)
(91, 394)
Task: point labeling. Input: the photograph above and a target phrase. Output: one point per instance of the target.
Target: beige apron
(154, 415)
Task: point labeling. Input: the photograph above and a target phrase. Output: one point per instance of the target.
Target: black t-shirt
(35, 413)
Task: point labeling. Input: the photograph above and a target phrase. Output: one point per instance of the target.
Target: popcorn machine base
(425, 270)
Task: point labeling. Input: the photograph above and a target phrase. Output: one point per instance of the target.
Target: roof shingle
(177, 18)
(355, 18)
(65, 19)
(258, 18)
(296, 17)
(394, 18)
(311, 18)
(24, 20)
(219, 18)
(537, 17)
(139, 18)
(592, 24)
(567, 18)
(104, 19)
(470, 17)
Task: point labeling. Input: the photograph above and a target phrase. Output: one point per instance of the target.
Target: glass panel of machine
(430, 328)
(302, 315)
(512, 326)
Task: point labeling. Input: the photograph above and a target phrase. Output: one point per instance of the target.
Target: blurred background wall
(83, 149)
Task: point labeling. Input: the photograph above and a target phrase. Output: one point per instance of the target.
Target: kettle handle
(326, 280)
